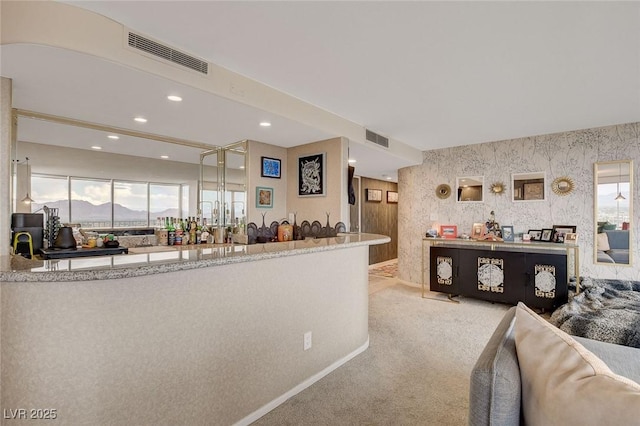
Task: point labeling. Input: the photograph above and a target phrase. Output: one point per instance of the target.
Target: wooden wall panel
(380, 218)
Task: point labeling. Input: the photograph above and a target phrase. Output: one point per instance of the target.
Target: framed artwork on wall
(270, 167)
(264, 197)
(534, 191)
(373, 195)
(392, 197)
(311, 175)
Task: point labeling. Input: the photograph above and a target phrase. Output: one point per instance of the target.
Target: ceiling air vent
(154, 48)
(377, 139)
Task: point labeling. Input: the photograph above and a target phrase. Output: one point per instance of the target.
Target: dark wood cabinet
(532, 275)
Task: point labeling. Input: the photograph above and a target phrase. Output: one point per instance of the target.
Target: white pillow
(565, 384)
(602, 242)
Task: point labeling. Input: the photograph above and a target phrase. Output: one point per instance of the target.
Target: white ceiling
(428, 74)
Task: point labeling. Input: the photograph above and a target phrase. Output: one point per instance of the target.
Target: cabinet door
(443, 275)
(547, 280)
(493, 275)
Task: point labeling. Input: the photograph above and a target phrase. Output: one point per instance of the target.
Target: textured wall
(380, 218)
(569, 154)
(204, 346)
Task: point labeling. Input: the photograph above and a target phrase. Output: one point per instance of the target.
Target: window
(102, 203)
(91, 203)
(51, 191)
(130, 204)
(164, 200)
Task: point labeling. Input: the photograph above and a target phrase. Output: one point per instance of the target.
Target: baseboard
(302, 386)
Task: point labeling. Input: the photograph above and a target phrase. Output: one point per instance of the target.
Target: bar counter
(161, 259)
(181, 335)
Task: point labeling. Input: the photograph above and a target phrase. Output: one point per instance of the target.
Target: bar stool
(22, 238)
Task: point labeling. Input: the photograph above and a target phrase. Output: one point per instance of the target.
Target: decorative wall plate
(497, 188)
(443, 191)
(563, 185)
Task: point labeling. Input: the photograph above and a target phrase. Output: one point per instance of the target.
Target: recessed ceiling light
(174, 98)
(164, 157)
(388, 177)
(96, 147)
(114, 137)
(265, 124)
(140, 119)
(241, 167)
(351, 160)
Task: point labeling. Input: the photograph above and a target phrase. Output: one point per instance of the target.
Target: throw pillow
(602, 242)
(563, 383)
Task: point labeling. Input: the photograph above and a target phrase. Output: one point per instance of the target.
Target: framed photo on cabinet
(477, 231)
(449, 231)
(507, 233)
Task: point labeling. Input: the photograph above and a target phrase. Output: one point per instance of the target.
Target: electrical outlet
(307, 340)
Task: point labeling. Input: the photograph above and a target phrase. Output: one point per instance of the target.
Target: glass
(528, 186)
(470, 189)
(91, 203)
(164, 200)
(130, 204)
(51, 191)
(613, 213)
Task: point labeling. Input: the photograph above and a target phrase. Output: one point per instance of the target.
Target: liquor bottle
(193, 239)
(172, 232)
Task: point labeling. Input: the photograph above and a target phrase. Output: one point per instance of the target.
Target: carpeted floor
(415, 372)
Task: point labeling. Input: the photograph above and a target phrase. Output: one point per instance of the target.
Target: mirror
(443, 191)
(470, 189)
(613, 212)
(497, 188)
(528, 186)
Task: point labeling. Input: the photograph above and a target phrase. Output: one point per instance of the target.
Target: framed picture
(559, 232)
(373, 195)
(477, 230)
(507, 233)
(547, 235)
(449, 231)
(270, 167)
(311, 175)
(571, 237)
(535, 234)
(392, 197)
(264, 197)
(534, 191)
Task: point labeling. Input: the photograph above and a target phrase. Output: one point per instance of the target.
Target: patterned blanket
(605, 310)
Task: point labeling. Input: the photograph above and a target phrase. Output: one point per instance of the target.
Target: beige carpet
(415, 372)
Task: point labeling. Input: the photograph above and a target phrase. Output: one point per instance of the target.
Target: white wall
(335, 201)
(569, 154)
(256, 150)
(204, 346)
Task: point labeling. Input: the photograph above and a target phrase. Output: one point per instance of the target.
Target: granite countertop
(160, 259)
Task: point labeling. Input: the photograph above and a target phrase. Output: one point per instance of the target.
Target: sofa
(533, 373)
(613, 246)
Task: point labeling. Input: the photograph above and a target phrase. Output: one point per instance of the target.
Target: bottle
(172, 232)
(193, 227)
